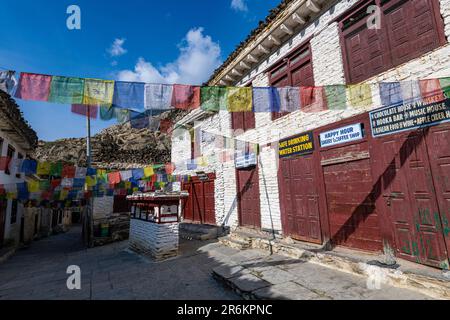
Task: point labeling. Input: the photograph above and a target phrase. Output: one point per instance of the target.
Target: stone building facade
(318, 29)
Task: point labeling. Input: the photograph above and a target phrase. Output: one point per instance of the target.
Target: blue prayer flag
(129, 95)
(391, 93)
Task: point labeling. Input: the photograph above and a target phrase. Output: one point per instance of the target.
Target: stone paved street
(112, 272)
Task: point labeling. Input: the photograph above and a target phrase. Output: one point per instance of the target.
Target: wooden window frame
(286, 62)
(384, 5)
(19, 156)
(10, 151)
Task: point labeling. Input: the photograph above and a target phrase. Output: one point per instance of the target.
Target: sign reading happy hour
(342, 135)
(297, 145)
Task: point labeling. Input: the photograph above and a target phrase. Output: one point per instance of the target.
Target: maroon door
(407, 194)
(2, 220)
(349, 191)
(248, 198)
(200, 205)
(299, 199)
(439, 152)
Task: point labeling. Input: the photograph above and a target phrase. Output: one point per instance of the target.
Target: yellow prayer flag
(98, 92)
(360, 95)
(240, 99)
(33, 186)
(63, 195)
(43, 168)
(148, 172)
(11, 195)
(91, 181)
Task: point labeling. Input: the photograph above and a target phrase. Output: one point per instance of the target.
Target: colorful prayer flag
(43, 168)
(240, 99)
(186, 97)
(336, 97)
(33, 87)
(289, 99)
(410, 91)
(98, 92)
(266, 99)
(165, 126)
(8, 81)
(91, 181)
(122, 115)
(391, 93)
(68, 171)
(158, 96)
(445, 86)
(56, 169)
(138, 174)
(126, 175)
(114, 177)
(148, 172)
(33, 186)
(139, 120)
(214, 98)
(85, 110)
(431, 91)
(29, 166)
(107, 113)
(129, 95)
(360, 95)
(66, 90)
(312, 99)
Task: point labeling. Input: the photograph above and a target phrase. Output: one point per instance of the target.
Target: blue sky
(152, 41)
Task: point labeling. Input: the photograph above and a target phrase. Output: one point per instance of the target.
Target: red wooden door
(248, 198)
(210, 216)
(349, 191)
(439, 152)
(2, 220)
(200, 205)
(299, 199)
(189, 203)
(199, 202)
(408, 197)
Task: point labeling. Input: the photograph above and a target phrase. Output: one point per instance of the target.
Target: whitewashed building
(17, 141)
(369, 194)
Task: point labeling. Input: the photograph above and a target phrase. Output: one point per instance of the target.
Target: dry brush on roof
(11, 113)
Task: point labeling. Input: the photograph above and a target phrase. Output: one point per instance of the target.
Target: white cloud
(117, 48)
(199, 56)
(239, 5)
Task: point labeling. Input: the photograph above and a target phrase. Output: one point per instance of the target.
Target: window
(14, 212)
(409, 28)
(296, 70)
(243, 120)
(19, 156)
(10, 155)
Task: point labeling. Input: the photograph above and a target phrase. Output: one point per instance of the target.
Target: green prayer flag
(66, 90)
(56, 169)
(214, 98)
(445, 85)
(336, 97)
(107, 113)
(44, 185)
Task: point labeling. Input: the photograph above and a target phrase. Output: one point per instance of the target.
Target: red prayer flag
(431, 91)
(33, 87)
(55, 183)
(312, 99)
(185, 97)
(68, 172)
(85, 110)
(170, 168)
(114, 177)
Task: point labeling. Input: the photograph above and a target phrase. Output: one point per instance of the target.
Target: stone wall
(103, 207)
(160, 241)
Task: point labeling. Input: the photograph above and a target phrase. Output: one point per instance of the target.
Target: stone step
(235, 243)
(201, 232)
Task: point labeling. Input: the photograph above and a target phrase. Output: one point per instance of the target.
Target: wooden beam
(251, 58)
(263, 49)
(229, 78)
(313, 6)
(274, 39)
(286, 29)
(234, 71)
(244, 65)
(297, 18)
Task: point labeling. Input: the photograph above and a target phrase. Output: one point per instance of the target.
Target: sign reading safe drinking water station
(297, 145)
(393, 119)
(342, 135)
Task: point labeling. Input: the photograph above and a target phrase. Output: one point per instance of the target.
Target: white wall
(11, 231)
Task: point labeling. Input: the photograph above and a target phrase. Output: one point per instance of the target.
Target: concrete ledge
(6, 253)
